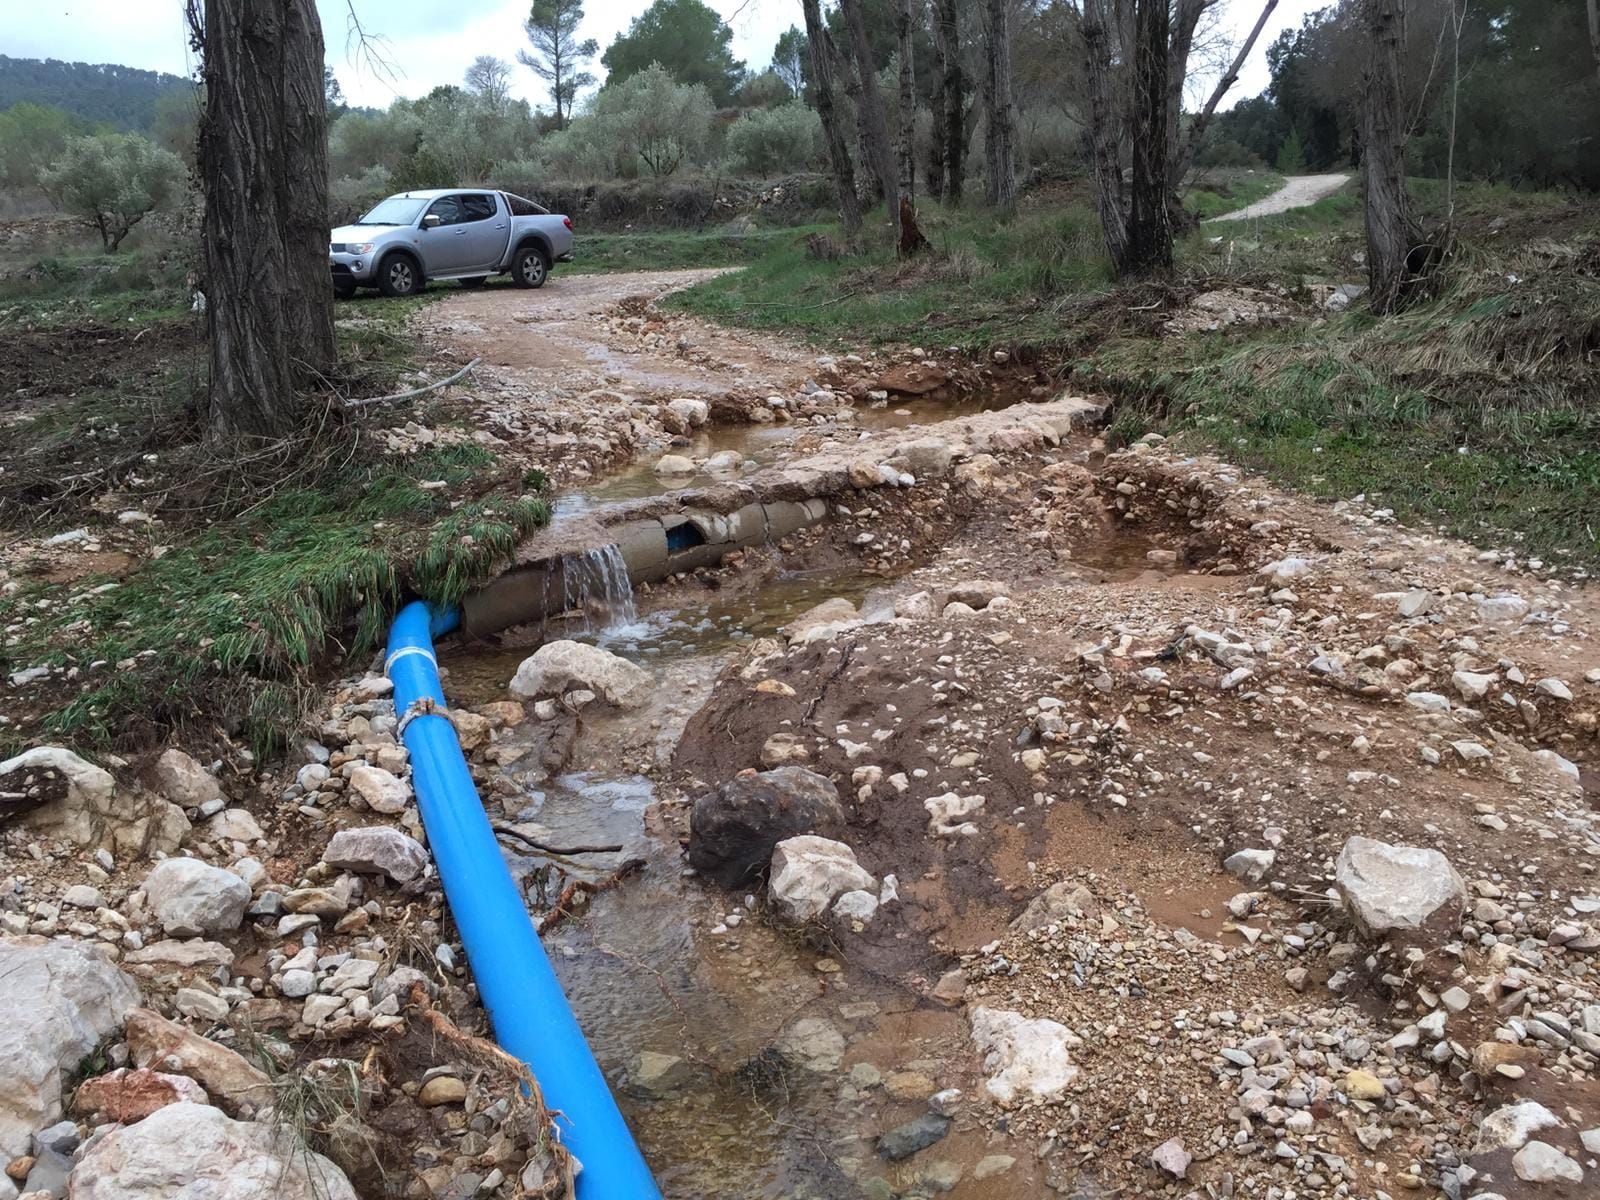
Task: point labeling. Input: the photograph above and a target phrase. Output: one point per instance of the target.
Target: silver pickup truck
(447, 233)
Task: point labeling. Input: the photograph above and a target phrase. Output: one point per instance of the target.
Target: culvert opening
(685, 537)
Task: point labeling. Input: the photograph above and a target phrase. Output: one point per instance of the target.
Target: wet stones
(947, 814)
(191, 898)
(809, 872)
(734, 830)
(1398, 889)
(1026, 1059)
(918, 1134)
(557, 668)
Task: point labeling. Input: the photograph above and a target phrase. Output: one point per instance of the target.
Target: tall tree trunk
(264, 168)
(875, 124)
(1594, 33)
(1392, 231)
(1149, 221)
(844, 176)
(906, 142)
(936, 155)
(949, 117)
(1000, 137)
(303, 195)
(1105, 138)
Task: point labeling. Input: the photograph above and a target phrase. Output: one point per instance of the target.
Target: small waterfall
(596, 581)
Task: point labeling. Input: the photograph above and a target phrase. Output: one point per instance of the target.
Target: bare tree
(874, 124)
(557, 55)
(1393, 235)
(950, 105)
(264, 169)
(1182, 156)
(490, 78)
(1000, 135)
(844, 177)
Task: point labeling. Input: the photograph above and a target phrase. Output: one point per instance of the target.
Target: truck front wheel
(398, 275)
(530, 267)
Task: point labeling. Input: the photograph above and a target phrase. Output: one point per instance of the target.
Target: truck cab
(467, 234)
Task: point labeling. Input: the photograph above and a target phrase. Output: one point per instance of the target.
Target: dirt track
(1298, 191)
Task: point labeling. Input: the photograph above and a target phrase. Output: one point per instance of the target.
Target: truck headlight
(359, 247)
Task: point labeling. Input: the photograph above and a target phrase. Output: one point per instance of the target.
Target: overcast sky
(430, 42)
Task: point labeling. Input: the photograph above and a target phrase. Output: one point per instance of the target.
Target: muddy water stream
(761, 446)
(745, 1060)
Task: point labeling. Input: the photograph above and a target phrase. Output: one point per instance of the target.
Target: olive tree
(113, 180)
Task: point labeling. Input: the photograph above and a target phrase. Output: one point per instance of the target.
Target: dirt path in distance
(1298, 191)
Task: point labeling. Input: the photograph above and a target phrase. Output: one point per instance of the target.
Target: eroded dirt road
(1111, 721)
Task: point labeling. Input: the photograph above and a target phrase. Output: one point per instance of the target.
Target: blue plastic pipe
(531, 1017)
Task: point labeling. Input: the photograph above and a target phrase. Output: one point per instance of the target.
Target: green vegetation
(275, 563)
(600, 252)
(985, 283)
(1479, 410)
(1219, 192)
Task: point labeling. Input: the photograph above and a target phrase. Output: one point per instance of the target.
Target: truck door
(488, 230)
(445, 248)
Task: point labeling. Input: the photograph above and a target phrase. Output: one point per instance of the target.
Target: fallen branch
(414, 392)
(560, 911)
(527, 839)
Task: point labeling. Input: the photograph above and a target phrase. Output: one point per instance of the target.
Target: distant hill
(122, 97)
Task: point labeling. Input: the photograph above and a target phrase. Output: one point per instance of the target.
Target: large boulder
(925, 458)
(377, 850)
(809, 872)
(560, 667)
(183, 780)
(64, 998)
(227, 1076)
(76, 801)
(1398, 889)
(732, 831)
(191, 898)
(384, 791)
(195, 1152)
(1026, 1059)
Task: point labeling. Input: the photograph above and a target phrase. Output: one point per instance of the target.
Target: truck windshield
(396, 210)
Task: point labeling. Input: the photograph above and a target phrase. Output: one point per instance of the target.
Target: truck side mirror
(431, 221)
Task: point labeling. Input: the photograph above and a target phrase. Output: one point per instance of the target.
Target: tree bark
(1149, 221)
(1000, 152)
(1594, 33)
(1105, 134)
(844, 176)
(1392, 231)
(949, 115)
(263, 164)
(905, 145)
(874, 123)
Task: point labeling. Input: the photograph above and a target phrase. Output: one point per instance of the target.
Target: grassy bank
(262, 570)
(1478, 410)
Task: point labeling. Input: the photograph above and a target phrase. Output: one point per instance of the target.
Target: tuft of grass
(229, 627)
(1223, 191)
